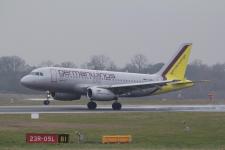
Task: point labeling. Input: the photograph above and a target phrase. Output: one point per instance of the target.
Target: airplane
(70, 84)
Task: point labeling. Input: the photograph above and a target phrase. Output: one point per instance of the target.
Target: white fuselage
(69, 80)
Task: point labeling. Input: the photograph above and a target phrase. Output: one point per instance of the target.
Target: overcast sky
(74, 30)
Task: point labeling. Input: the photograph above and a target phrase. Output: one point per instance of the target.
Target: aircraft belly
(61, 86)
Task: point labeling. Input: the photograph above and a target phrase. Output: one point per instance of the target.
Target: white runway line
(108, 109)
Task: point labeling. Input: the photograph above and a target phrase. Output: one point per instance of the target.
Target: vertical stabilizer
(175, 69)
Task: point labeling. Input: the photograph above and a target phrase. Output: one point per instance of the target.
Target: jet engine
(100, 94)
(65, 96)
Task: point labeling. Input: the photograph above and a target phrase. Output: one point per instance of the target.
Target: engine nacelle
(65, 96)
(100, 94)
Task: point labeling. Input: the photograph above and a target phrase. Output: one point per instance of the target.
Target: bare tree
(12, 64)
(12, 68)
(153, 68)
(139, 61)
(98, 62)
(112, 66)
(47, 63)
(68, 64)
(138, 64)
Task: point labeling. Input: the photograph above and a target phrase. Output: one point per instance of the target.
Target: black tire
(92, 105)
(116, 106)
(46, 102)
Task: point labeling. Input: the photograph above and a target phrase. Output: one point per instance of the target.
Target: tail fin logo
(176, 68)
(177, 65)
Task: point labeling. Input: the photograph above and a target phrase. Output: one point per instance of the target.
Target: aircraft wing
(125, 88)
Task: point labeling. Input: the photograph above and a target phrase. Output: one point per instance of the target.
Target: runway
(108, 109)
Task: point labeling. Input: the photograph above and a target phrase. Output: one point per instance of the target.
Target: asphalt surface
(108, 109)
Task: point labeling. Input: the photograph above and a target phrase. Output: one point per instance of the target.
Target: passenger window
(41, 74)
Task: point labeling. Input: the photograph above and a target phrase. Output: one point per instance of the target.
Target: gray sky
(74, 30)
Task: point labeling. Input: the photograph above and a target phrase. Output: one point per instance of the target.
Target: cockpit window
(37, 73)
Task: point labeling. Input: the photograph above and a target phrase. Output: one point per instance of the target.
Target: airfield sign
(32, 138)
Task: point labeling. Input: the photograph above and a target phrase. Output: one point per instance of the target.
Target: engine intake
(100, 94)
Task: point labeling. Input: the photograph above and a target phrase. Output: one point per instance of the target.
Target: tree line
(13, 68)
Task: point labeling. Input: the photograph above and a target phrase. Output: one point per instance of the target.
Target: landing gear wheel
(46, 102)
(92, 105)
(116, 106)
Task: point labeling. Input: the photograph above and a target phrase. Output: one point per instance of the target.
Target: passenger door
(53, 75)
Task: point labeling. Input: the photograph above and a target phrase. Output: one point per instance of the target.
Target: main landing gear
(116, 106)
(92, 105)
(47, 102)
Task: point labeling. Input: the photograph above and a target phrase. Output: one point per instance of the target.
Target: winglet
(175, 69)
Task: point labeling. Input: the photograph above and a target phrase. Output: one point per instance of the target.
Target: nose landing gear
(47, 102)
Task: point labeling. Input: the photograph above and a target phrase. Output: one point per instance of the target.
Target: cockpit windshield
(37, 73)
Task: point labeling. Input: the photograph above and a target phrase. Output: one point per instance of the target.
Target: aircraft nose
(25, 81)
